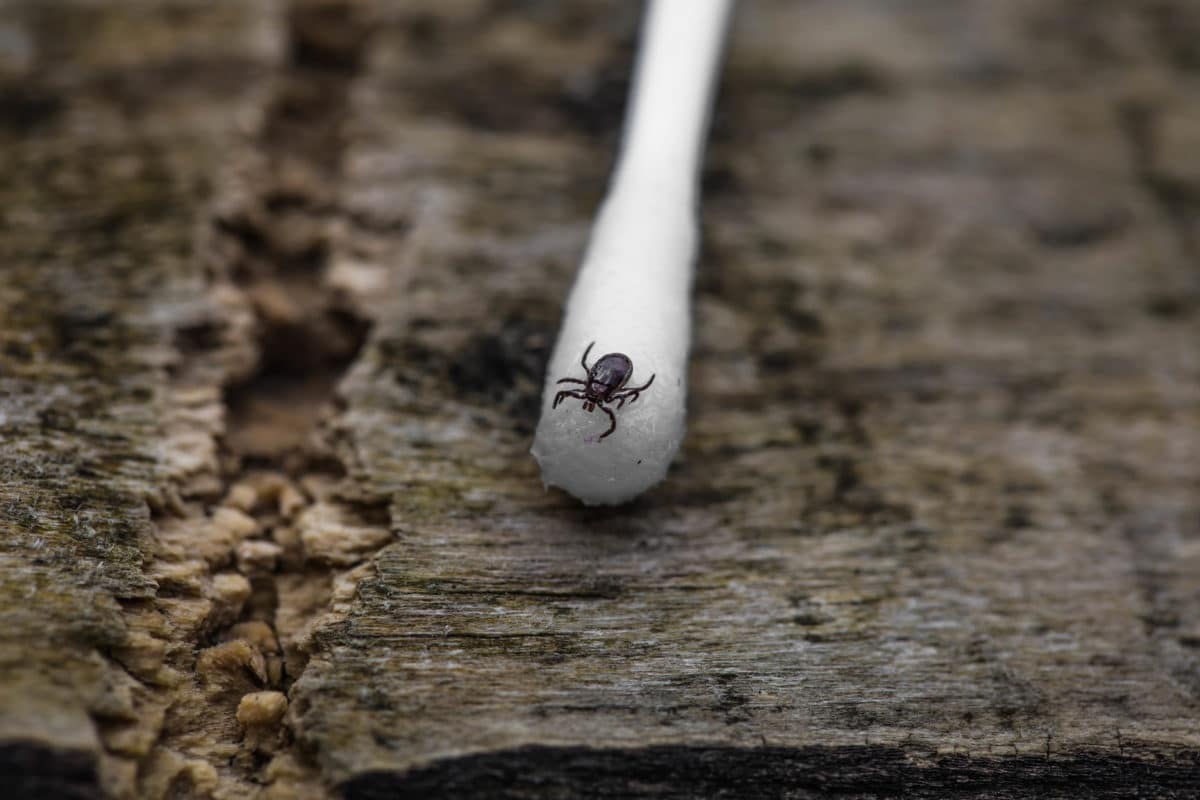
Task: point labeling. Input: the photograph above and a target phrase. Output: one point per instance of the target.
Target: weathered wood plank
(937, 504)
(114, 118)
(934, 529)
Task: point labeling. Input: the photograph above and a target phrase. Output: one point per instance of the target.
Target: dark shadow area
(28, 770)
(503, 368)
(764, 772)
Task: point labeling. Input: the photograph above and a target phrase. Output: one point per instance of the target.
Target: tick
(605, 383)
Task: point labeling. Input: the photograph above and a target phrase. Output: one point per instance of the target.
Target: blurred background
(277, 285)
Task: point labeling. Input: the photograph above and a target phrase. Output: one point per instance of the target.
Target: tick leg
(571, 380)
(624, 398)
(636, 389)
(584, 359)
(612, 422)
(627, 394)
(558, 398)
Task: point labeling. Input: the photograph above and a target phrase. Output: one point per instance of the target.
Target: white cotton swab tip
(602, 436)
(623, 311)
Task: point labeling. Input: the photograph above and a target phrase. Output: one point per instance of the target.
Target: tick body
(605, 384)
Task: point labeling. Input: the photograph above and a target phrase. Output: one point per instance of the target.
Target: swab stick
(614, 404)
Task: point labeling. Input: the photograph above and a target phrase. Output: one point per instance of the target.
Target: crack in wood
(236, 552)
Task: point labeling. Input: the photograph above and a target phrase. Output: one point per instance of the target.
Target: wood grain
(280, 282)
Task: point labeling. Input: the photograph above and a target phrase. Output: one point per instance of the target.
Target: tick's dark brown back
(610, 373)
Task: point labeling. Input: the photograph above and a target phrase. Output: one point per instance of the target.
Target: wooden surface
(279, 282)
